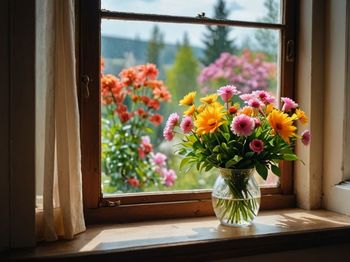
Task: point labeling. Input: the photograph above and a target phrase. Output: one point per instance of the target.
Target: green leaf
(276, 170)
(216, 149)
(226, 136)
(230, 163)
(290, 157)
(249, 154)
(184, 162)
(262, 170)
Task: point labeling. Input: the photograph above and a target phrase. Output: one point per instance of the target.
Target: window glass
(135, 156)
(242, 10)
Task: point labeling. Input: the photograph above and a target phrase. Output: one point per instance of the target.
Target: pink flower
(257, 122)
(257, 146)
(254, 102)
(306, 137)
(169, 177)
(246, 97)
(228, 91)
(173, 120)
(243, 125)
(168, 133)
(186, 124)
(288, 104)
(264, 96)
(159, 159)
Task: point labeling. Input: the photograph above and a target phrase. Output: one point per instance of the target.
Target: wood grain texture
(199, 239)
(22, 123)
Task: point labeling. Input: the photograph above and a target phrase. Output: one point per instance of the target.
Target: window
(151, 205)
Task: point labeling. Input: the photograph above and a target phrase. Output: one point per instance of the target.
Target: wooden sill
(197, 238)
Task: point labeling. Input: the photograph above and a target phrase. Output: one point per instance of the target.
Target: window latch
(85, 81)
(290, 51)
(108, 203)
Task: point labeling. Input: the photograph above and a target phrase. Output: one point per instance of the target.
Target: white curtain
(58, 141)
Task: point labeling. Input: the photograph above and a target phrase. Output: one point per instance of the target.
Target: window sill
(199, 238)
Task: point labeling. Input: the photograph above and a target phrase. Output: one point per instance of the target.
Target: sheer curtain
(58, 170)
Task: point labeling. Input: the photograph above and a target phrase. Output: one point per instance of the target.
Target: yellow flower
(188, 99)
(201, 108)
(190, 111)
(209, 99)
(269, 108)
(210, 119)
(282, 124)
(301, 116)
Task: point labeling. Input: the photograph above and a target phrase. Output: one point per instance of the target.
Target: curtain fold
(59, 150)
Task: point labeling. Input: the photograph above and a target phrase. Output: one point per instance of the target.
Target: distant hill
(124, 52)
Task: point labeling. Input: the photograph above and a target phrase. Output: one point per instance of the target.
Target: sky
(245, 10)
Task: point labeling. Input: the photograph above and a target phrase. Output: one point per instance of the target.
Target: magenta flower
(227, 92)
(186, 124)
(159, 159)
(257, 146)
(243, 125)
(264, 96)
(288, 104)
(168, 133)
(169, 177)
(306, 137)
(254, 102)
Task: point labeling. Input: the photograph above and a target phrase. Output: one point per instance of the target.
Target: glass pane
(133, 147)
(242, 10)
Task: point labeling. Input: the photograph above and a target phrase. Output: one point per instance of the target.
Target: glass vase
(236, 197)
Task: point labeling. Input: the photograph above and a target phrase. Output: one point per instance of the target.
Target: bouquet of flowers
(225, 135)
(130, 104)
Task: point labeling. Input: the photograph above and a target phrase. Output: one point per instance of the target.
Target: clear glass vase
(236, 197)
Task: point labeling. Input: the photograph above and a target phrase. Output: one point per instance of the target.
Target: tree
(155, 45)
(267, 38)
(217, 40)
(182, 75)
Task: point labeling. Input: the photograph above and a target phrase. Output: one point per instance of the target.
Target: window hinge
(85, 80)
(290, 51)
(108, 203)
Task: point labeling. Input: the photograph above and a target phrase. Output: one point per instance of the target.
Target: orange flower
(162, 93)
(129, 76)
(156, 119)
(153, 84)
(154, 104)
(247, 110)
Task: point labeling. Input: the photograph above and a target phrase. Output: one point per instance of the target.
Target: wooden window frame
(150, 206)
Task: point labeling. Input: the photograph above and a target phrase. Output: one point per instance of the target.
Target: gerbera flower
(186, 124)
(288, 104)
(282, 124)
(162, 94)
(243, 125)
(226, 92)
(190, 111)
(301, 116)
(173, 120)
(256, 146)
(168, 133)
(210, 119)
(188, 99)
(254, 102)
(209, 99)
